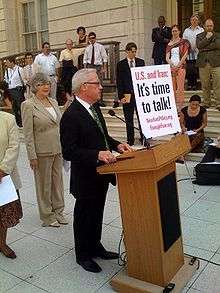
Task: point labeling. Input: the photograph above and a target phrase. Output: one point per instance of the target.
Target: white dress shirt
(131, 64)
(48, 63)
(13, 78)
(190, 35)
(85, 105)
(100, 54)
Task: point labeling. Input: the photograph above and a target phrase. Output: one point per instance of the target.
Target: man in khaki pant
(208, 62)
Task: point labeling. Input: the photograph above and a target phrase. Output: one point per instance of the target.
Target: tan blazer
(41, 130)
(9, 146)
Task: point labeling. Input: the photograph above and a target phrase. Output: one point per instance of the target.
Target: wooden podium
(150, 217)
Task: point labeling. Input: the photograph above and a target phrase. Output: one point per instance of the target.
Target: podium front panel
(169, 210)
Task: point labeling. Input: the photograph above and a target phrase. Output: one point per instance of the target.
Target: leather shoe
(90, 265)
(107, 255)
(8, 252)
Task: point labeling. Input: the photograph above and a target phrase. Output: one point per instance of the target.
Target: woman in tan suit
(41, 117)
(11, 213)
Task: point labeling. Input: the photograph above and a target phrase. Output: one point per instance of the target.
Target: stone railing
(111, 47)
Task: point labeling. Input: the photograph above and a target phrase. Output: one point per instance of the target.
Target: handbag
(207, 174)
(23, 87)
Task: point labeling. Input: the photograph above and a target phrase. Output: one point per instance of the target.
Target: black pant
(211, 154)
(128, 110)
(87, 225)
(17, 97)
(192, 73)
(66, 77)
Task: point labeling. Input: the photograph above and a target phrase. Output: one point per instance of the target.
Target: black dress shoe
(107, 255)
(90, 265)
(130, 143)
(179, 161)
(115, 105)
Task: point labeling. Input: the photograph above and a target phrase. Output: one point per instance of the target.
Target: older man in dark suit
(208, 62)
(125, 88)
(86, 143)
(161, 36)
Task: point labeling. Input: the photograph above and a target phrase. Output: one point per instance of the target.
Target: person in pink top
(176, 54)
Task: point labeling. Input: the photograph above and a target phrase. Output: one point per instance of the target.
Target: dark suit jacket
(209, 49)
(160, 38)
(81, 141)
(123, 76)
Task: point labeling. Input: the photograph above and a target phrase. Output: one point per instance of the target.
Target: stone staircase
(117, 128)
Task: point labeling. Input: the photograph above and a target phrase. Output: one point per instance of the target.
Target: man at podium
(86, 143)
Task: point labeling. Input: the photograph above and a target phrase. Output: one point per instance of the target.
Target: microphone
(112, 113)
(146, 142)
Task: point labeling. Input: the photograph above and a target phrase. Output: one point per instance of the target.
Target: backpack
(207, 174)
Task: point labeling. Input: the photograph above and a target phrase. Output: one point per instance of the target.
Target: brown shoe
(8, 252)
(62, 220)
(54, 224)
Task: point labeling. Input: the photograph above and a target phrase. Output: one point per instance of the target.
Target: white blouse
(175, 55)
(52, 112)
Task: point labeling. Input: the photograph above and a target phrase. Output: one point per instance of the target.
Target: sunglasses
(92, 82)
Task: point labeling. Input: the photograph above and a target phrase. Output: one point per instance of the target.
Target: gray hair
(38, 78)
(81, 77)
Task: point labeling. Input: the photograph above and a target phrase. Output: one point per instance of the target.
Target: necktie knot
(131, 63)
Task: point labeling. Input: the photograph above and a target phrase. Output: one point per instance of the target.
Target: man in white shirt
(28, 71)
(190, 34)
(95, 56)
(13, 77)
(49, 65)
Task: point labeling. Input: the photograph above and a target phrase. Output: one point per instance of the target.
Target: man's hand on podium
(124, 147)
(107, 157)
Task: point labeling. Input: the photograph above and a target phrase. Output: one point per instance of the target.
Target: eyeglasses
(42, 84)
(91, 38)
(92, 82)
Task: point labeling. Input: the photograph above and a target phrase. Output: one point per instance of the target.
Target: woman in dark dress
(82, 41)
(194, 117)
(10, 213)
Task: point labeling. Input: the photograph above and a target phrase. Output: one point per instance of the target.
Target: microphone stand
(146, 142)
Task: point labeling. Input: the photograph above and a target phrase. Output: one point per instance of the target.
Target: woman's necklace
(192, 112)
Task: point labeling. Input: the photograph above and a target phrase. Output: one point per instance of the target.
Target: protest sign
(155, 100)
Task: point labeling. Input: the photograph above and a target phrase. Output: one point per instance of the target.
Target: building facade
(25, 24)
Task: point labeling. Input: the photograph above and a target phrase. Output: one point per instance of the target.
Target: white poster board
(155, 100)
(7, 191)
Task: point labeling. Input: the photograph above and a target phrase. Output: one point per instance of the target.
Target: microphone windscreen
(111, 112)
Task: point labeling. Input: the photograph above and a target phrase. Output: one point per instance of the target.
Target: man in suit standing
(86, 143)
(208, 61)
(161, 36)
(125, 88)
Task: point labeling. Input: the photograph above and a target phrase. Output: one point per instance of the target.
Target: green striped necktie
(96, 118)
